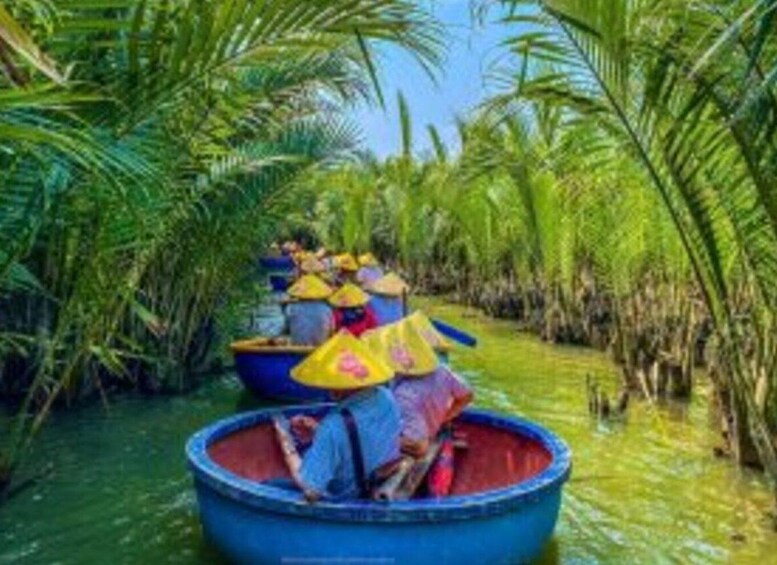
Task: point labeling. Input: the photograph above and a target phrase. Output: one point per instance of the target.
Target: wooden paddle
(409, 476)
(286, 442)
(457, 335)
(386, 491)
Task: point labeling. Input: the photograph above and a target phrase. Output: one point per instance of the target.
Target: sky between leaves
(473, 50)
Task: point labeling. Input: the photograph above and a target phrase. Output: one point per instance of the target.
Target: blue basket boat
(279, 283)
(503, 508)
(282, 263)
(265, 370)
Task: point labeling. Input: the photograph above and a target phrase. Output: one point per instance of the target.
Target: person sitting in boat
(311, 265)
(289, 247)
(347, 267)
(352, 311)
(299, 257)
(369, 269)
(359, 437)
(309, 317)
(274, 250)
(388, 298)
(428, 393)
(431, 335)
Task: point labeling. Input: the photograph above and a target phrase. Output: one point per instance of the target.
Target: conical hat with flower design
(342, 363)
(310, 287)
(346, 262)
(403, 349)
(368, 260)
(349, 296)
(427, 330)
(388, 285)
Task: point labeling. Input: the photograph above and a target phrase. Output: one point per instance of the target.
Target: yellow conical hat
(403, 349)
(388, 285)
(349, 296)
(310, 287)
(427, 330)
(299, 256)
(342, 363)
(346, 262)
(368, 260)
(311, 265)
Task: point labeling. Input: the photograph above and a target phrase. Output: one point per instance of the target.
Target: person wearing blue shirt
(359, 436)
(309, 317)
(388, 298)
(369, 269)
(328, 468)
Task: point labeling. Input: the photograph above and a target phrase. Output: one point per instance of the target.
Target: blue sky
(461, 84)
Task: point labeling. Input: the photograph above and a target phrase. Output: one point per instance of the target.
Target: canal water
(646, 489)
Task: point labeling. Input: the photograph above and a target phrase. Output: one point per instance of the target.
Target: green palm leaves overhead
(148, 148)
(686, 90)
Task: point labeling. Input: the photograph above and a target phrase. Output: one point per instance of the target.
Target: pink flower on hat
(350, 365)
(431, 337)
(402, 356)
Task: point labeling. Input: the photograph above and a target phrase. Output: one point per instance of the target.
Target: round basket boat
(265, 370)
(279, 283)
(503, 508)
(283, 263)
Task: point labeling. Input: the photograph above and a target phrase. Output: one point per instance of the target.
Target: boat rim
(459, 507)
(262, 345)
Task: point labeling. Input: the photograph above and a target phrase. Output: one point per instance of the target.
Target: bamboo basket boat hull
(503, 508)
(265, 370)
(281, 264)
(279, 283)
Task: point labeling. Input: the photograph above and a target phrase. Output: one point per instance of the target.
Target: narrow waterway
(644, 490)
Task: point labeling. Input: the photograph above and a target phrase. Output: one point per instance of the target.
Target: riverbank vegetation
(146, 151)
(619, 191)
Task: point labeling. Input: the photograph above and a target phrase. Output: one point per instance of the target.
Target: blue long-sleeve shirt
(327, 466)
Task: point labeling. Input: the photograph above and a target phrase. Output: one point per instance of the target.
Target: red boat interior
(492, 459)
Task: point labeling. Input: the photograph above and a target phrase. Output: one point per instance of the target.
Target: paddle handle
(455, 334)
(286, 442)
(387, 491)
(403, 484)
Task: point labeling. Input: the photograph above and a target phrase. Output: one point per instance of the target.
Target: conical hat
(427, 330)
(342, 363)
(346, 262)
(368, 275)
(300, 256)
(388, 285)
(311, 265)
(349, 296)
(310, 287)
(403, 349)
(368, 260)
